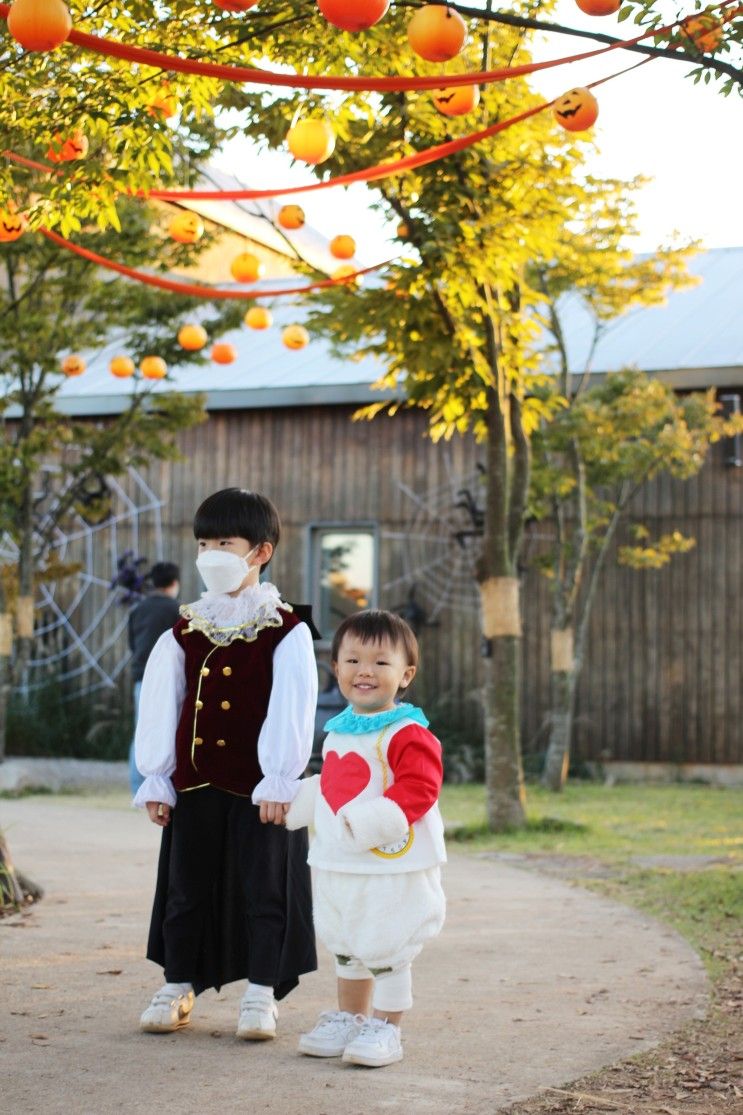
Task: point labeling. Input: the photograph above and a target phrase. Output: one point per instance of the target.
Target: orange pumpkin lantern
(599, 7)
(62, 150)
(247, 268)
(437, 33)
(353, 15)
(153, 367)
(312, 141)
(192, 337)
(576, 110)
(458, 100)
(122, 367)
(704, 31)
(186, 228)
(295, 337)
(291, 216)
(402, 231)
(347, 273)
(164, 104)
(73, 365)
(343, 247)
(12, 225)
(222, 353)
(258, 317)
(39, 24)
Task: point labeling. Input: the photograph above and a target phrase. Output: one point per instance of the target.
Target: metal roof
(695, 339)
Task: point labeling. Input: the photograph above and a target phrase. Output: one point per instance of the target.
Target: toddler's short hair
(238, 513)
(374, 625)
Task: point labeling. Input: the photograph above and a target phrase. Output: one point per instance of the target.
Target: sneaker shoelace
(330, 1019)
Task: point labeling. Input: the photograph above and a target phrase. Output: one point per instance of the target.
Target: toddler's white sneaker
(334, 1030)
(169, 1009)
(257, 1020)
(377, 1043)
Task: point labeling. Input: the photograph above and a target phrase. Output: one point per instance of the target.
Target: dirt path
(532, 983)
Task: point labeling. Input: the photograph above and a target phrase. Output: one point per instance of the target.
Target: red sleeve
(414, 757)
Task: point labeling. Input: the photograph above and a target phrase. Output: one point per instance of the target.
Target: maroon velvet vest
(226, 702)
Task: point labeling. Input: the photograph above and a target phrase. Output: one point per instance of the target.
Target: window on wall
(343, 576)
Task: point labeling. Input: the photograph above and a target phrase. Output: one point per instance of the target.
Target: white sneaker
(378, 1043)
(169, 1010)
(334, 1030)
(257, 1020)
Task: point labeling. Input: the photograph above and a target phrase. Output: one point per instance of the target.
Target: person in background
(154, 615)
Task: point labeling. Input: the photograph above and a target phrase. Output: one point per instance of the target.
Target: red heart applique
(343, 779)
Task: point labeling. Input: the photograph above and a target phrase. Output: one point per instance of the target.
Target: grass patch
(613, 823)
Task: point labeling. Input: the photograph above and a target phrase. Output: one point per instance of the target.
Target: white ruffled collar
(223, 618)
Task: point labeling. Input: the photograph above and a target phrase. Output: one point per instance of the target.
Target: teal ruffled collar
(357, 723)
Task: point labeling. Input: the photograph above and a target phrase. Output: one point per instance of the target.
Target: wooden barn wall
(663, 673)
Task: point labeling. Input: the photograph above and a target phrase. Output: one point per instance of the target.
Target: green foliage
(54, 723)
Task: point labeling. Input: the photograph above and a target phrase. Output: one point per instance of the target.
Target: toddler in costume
(378, 843)
(224, 734)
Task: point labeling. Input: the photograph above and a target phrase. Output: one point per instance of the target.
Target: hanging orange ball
(437, 33)
(599, 7)
(343, 247)
(353, 15)
(62, 150)
(186, 228)
(312, 141)
(402, 231)
(192, 337)
(12, 226)
(258, 317)
(295, 337)
(704, 31)
(73, 365)
(347, 272)
(164, 104)
(291, 216)
(222, 353)
(39, 24)
(122, 367)
(153, 367)
(576, 110)
(247, 268)
(457, 100)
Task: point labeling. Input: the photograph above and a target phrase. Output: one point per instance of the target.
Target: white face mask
(222, 571)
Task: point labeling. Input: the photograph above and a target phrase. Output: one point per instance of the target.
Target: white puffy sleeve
(160, 701)
(285, 740)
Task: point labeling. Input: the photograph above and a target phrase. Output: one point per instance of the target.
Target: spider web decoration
(80, 625)
(440, 546)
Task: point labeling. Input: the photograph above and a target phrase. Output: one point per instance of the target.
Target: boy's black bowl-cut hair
(238, 513)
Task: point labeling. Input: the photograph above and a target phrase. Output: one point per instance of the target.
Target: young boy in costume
(378, 841)
(224, 734)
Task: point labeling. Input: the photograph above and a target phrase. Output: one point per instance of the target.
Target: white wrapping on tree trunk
(24, 611)
(499, 597)
(561, 649)
(6, 635)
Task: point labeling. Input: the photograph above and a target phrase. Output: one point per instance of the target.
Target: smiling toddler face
(370, 674)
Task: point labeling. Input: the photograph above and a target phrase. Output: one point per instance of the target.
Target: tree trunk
(506, 798)
(6, 648)
(557, 759)
(11, 894)
(25, 602)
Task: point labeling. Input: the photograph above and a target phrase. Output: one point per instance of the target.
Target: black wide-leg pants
(233, 898)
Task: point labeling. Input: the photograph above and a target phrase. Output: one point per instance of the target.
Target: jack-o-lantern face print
(577, 110)
(186, 228)
(12, 225)
(457, 100)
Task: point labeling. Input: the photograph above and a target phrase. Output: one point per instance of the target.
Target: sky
(653, 122)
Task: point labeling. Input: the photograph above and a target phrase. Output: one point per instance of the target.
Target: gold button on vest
(198, 740)
(199, 704)
(227, 671)
(221, 743)
(205, 672)
(225, 704)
